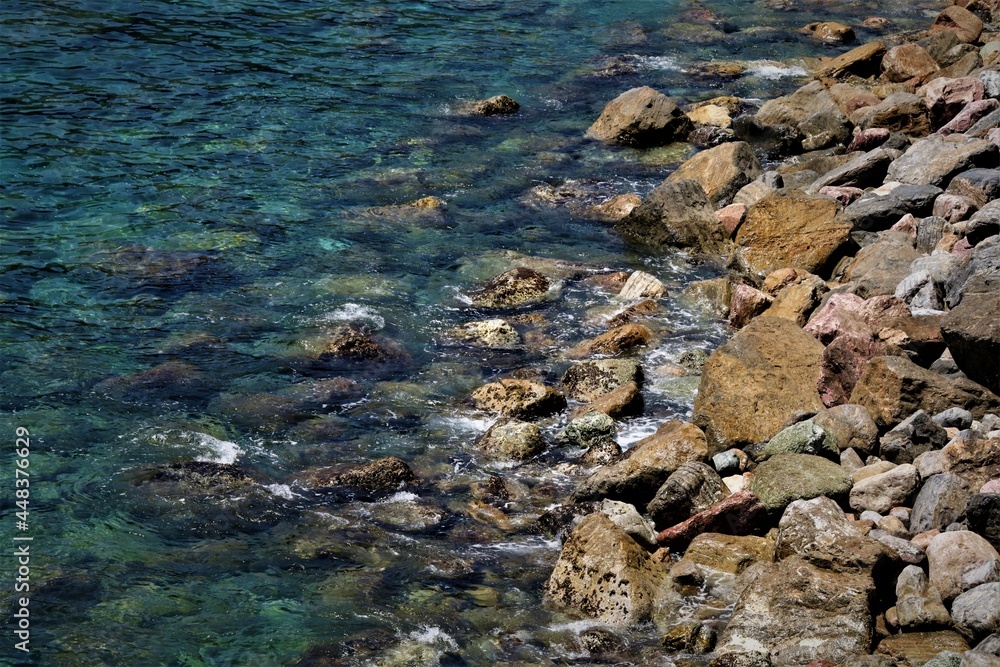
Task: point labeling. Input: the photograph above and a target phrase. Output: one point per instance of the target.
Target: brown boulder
(641, 117)
(893, 388)
(830, 32)
(862, 61)
(516, 287)
(499, 105)
(625, 401)
(522, 399)
(646, 466)
(753, 384)
(602, 573)
(621, 340)
(844, 360)
(588, 380)
(916, 648)
(676, 214)
(793, 230)
(721, 171)
(966, 25)
(907, 61)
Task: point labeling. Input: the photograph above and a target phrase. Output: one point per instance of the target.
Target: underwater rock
(517, 287)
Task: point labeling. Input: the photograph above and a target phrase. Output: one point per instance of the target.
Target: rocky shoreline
(839, 484)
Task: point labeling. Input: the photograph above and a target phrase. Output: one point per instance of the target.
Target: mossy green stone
(785, 478)
(806, 437)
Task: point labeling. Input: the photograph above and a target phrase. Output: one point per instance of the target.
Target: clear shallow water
(193, 183)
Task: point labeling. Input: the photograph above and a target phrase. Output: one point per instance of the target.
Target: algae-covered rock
(785, 478)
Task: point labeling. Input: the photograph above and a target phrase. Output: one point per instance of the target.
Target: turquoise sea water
(198, 184)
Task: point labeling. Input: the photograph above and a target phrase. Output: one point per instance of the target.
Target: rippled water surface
(206, 189)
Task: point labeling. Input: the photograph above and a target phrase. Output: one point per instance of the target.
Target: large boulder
(522, 399)
(676, 214)
(937, 158)
(977, 611)
(878, 268)
(798, 613)
(603, 574)
(899, 112)
(721, 171)
(588, 380)
(752, 385)
(940, 503)
(966, 25)
(850, 427)
(865, 170)
(907, 61)
(973, 337)
(918, 603)
(713, 554)
(621, 340)
(892, 388)
(973, 456)
(880, 493)
(959, 561)
(786, 478)
(879, 210)
(692, 488)
(864, 61)
(641, 117)
(818, 531)
(796, 230)
(646, 466)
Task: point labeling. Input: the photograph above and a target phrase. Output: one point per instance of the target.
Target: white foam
(353, 312)
(281, 490)
(431, 634)
(769, 71)
(400, 497)
(636, 430)
(658, 63)
(215, 450)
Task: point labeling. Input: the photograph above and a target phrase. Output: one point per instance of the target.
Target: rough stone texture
(880, 493)
(979, 185)
(877, 211)
(918, 604)
(785, 478)
(971, 114)
(907, 551)
(588, 380)
(966, 25)
(588, 430)
(899, 112)
(641, 285)
(959, 561)
(863, 61)
(841, 314)
(940, 503)
(917, 434)
(844, 360)
(721, 171)
(830, 32)
(917, 648)
(627, 518)
(717, 552)
(623, 339)
(946, 97)
(754, 383)
(499, 105)
(977, 611)
(745, 304)
(982, 514)
(522, 399)
(793, 109)
(892, 388)
(517, 287)
(850, 427)
(973, 456)
(907, 61)
(512, 440)
(641, 117)
(879, 267)
(865, 170)
(937, 158)
(973, 337)
(740, 514)
(497, 334)
(676, 214)
(647, 465)
(380, 477)
(692, 488)
(806, 437)
(625, 401)
(798, 613)
(793, 230)
(731, 217)
(818, 531)
(602, 573)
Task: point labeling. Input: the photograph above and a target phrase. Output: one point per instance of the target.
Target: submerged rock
(378, 478)
(498, 105)
(517, 287)
(589, 380)
(512, 440)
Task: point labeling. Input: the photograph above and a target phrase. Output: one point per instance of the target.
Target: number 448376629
(21, 475)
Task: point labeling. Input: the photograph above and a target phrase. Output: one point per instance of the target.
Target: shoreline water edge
(830, 499)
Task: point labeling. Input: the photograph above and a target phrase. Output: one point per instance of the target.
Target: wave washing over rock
(535, 334)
